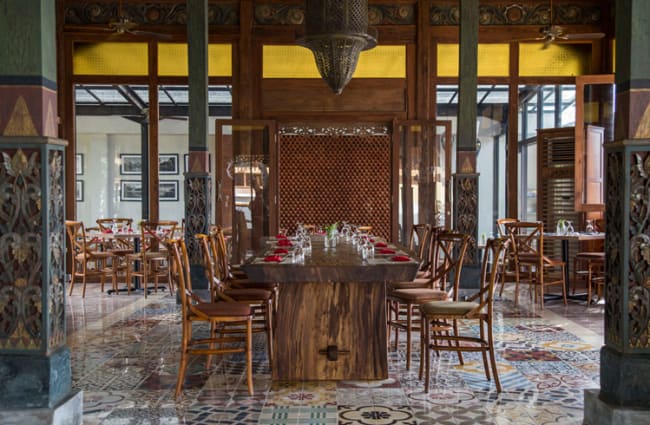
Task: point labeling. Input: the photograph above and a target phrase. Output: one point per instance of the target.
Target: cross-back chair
(447, 256)
(436, 316)
(152, 259)
(220, 315)
(119, 246)
(532, 267)
(261, 300)
(87, 261)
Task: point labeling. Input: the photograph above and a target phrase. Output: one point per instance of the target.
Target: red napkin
(273, 258)
(380, 245)
(386, 251)
(372, 241)
(280, 251)
(401, 258)
(107, 231)
(280, 236)
(284, 242)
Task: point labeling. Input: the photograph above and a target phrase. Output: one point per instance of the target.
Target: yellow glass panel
(110, 59)
(564, 60)
(298, 62)
(493, 60)
(172, 60)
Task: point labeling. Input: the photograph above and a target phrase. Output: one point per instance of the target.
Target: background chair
(532, 266)
(261, 300)
(86, 261)
(152, 259)
(437, 315)
(218, 314)
(120, 247)
(448, 253)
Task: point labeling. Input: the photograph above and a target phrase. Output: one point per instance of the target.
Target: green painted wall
(632, 35)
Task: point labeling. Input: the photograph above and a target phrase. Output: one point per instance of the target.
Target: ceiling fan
(122, 24)
(550, 33)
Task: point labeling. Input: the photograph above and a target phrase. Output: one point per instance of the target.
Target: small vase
(326, 240)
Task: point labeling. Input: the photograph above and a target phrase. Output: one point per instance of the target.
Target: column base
(68, 412)
(598, 412)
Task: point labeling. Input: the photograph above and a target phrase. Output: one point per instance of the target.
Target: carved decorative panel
(149, 13)
(520, 13)
(638, 299)
(294, 14)
(466, 212)
(325, 177)
(197, 212)
(614, 248)
(21, 265)
(56, 247)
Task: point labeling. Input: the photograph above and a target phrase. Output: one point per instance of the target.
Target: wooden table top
(340, 264)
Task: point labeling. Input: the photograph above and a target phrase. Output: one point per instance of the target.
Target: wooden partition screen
(324, 178)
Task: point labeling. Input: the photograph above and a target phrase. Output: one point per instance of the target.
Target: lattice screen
(328, 178)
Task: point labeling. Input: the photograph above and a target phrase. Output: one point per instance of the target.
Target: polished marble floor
(125, 358)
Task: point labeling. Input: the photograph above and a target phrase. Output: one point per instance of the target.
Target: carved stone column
(35, 372)
(624, 396)
(197, 180)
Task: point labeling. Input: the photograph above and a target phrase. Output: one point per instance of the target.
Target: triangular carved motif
(643, 129)
(20, 122)
(50, 124)
(467, 166)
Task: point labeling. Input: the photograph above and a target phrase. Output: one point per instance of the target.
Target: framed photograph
(79, 164)
(168, 190)
(130, 190)
(79, 193)
(168, 163)
(130, 163)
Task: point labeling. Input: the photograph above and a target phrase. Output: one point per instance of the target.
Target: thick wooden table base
(331, 317)
(349, 318)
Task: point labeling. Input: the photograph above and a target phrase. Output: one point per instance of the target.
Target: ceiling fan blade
(157, 35)
(584, 36)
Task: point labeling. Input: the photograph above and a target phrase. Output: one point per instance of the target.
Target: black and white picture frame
(130, 164)
(168, 190)
(79, 190)
(168, 163)
(130, 190)
(79, 164)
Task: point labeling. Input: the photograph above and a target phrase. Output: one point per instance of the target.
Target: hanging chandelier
(336, 31)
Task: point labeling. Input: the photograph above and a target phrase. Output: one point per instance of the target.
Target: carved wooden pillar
(35, 367)
(624, 396)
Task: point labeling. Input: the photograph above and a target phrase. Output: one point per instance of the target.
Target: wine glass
(569, 228)
(589, 228)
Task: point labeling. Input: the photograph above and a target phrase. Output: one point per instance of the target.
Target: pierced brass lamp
(336, 31)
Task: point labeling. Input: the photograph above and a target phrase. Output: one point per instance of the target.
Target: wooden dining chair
(507, 268)
(532, 267)
(88, 261)
(119, 246)
(220, 316)
(448, 253)
(261, 300)
(438, 315)
(152, 261)
(237, 278)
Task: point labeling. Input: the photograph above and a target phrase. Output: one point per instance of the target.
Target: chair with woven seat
(448, 253)
(238, 279)
(87, 262)
(152, 259)
(260, 299)
(437, 316)
(532, 267)
(220, 315)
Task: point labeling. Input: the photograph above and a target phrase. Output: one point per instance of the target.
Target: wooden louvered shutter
(556, 179)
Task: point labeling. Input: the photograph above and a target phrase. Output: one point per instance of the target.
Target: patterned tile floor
(124, 358)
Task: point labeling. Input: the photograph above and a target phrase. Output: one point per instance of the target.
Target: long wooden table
(331, 318)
